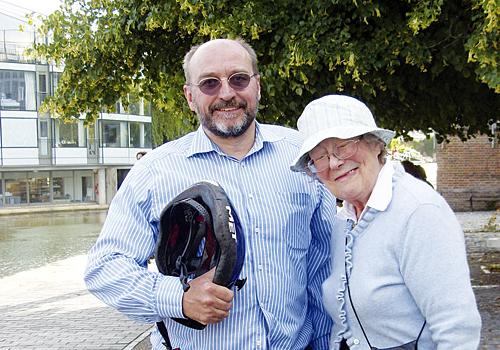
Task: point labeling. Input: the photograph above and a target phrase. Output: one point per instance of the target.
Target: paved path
(49, 307)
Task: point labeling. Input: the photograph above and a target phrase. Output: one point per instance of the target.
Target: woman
(400, 277)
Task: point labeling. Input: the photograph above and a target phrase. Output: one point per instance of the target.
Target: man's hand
(205, 301)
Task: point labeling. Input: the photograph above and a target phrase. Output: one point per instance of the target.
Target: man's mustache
(228, 104)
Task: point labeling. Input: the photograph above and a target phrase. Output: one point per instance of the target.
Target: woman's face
(353, 178)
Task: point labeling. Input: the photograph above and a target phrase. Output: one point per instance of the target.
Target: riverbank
(50, 208)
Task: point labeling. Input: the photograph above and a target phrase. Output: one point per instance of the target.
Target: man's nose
(226, 92)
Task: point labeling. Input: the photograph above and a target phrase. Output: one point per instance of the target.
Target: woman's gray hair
(246, 46)
(374, 141)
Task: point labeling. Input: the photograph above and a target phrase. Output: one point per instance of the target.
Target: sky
(19, 7)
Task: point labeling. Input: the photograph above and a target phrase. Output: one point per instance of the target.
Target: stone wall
(468, 173)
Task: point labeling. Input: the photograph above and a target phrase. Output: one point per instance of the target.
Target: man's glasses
(342, 151)
(237, 81)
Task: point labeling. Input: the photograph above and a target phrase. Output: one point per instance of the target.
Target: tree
(418, 64)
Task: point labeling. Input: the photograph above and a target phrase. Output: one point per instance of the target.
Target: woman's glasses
(237, 81)
(341, 151)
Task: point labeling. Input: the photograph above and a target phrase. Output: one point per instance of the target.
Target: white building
(42, 159)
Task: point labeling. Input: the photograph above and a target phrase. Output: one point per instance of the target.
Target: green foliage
(418, 64)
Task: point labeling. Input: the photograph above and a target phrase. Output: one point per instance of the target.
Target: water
(32, 240)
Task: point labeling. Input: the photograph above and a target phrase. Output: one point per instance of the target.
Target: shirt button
(259, 267)
(355, 341)
(256, 230)
(250, 196)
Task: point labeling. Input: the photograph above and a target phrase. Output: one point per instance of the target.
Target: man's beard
(219, 128)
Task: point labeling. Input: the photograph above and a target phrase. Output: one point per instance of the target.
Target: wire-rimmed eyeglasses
(341, 151)
(237, 81)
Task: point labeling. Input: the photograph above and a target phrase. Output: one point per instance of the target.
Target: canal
(33, 240)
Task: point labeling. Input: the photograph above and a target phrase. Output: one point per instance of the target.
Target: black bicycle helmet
(199, 230)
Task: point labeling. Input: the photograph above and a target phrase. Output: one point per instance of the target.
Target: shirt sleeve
(117, 270)
(435, 270)
(319, 266)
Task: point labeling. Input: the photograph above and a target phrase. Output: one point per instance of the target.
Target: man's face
(228, 112)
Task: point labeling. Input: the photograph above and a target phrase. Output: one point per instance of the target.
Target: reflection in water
(33, 240)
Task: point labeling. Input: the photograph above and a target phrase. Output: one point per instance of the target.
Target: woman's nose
(334, 161)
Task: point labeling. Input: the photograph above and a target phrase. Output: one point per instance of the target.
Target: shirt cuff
(169, 296)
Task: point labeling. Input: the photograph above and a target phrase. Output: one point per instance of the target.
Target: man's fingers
(220, 292)
(205, 301)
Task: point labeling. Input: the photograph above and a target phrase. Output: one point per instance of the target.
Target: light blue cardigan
(405, 264)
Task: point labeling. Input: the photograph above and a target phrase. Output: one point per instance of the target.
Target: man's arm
(319, 266)
(117, 270)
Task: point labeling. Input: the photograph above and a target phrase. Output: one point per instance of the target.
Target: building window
(55, 81)
(63, 184)
(15, 188)
(134, 106)
(42, 88)
(114, 133)
(44, 186)
(39, 186)
(140, 135)
(147, 107)
(148, 137)
(66, 134)
(135, 134)
(17, 90)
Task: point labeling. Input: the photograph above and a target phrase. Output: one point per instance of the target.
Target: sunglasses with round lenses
(212, 85)
(342, 151)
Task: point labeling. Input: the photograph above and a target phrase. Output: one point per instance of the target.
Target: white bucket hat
(338, 116)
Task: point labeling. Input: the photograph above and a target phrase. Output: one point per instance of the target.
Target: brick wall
(468, 174)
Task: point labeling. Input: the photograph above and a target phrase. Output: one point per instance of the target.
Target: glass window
(135, 134)
(44, 128)
(88, 189)
(55, 81)
(148, 137)
(63, 184)
(66, 134)
(39, 188)
(114, 133)
(42, 88)
(134, 104)
(15, 188)
(58, 188)
(17, 90)
(147, 107)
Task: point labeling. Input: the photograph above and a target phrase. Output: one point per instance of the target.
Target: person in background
(140, 154)
(286, 218)
(415, 170)
(400, 277)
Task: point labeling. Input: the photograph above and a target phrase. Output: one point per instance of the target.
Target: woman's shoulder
(415, 191)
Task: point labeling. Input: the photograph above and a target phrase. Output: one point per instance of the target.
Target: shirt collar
(381, 195)
(202, 144)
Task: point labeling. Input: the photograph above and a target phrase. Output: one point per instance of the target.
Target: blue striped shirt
(287, 222)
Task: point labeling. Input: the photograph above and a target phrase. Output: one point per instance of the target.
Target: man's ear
(189, 97)
(258, 86)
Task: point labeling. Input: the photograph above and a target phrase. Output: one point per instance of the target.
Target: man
(286, 220)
